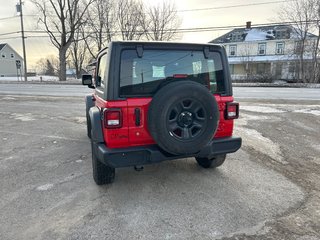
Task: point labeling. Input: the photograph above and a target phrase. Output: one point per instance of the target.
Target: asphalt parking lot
(267, 190)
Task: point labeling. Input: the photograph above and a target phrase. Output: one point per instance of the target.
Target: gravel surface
(267, 190)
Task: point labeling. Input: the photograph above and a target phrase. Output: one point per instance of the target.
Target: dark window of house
(261, 49)
(298, 47)
(279, 67)
(233, 50)
(282, 34)
(261, 68)
(280, 48)
(292, 67)
(231, 67)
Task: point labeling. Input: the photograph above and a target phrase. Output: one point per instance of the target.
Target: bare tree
(78, 52)
(300, 13)
(247, 61)
(61, 18)
(161, 22)
(41, 66)
(107, 20)
(101, 25)
(48, 65)
(130, 18)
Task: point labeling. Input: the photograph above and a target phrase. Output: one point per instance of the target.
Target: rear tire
(102, 174)
(215, 162)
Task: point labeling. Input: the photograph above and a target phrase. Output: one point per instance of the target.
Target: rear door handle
(137, 114)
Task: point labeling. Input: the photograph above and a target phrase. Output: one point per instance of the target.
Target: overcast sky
(40, 47)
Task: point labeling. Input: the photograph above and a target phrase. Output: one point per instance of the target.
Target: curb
(42, 83)
(279, 85)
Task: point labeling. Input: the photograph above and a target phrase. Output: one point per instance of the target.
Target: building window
(233, 50)
(292, 67)
(3, 55)
(261, 49)
(261, 68)
(12, 55)
(298, 47)
(280, 48)
(279, 70)
(282, 34)
(231, 67)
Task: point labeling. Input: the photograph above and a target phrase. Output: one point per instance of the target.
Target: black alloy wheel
(187, 119)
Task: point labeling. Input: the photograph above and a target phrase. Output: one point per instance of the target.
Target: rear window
(144, 76)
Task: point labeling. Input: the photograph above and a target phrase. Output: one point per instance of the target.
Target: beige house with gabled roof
(9, 61)
(270, 51)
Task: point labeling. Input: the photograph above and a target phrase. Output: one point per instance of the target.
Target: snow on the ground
(308, 110)
(282, 108)
(35, 78)
(263, 112)
(42, 78)
(254, 139)
(45, 187)
(261, 109)
(244, 118)
(23, 117)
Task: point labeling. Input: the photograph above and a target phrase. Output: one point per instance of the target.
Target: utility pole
(19, 9)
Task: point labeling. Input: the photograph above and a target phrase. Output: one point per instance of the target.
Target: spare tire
(183, 117)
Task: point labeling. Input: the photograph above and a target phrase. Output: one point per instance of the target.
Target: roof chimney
(248, 25)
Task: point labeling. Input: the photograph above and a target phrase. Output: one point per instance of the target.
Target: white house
(10, 61)
(267, 51)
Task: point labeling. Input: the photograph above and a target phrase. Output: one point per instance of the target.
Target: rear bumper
(142, 155)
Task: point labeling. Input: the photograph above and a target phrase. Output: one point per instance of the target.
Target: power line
(197, 29)
(233, 6)
(10, 38)
(180, 30)
(12, 17)
(9, 33)
(193, 10)
(6, 18)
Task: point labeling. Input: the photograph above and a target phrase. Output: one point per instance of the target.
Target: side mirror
(87, 80)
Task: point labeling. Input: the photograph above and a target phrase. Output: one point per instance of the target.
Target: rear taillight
(232, 110)
(112, 118)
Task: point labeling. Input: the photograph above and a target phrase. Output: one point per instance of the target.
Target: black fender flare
(89, 103)
(96, 127)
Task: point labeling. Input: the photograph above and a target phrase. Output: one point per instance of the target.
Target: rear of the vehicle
(164, 101)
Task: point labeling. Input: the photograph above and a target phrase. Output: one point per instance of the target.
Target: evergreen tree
(49, 69)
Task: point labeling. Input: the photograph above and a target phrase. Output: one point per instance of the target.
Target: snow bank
(261, 109)
(42, 78)
(281, 108)
(35, 78)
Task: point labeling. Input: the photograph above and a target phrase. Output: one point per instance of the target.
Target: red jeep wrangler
(156, 101)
